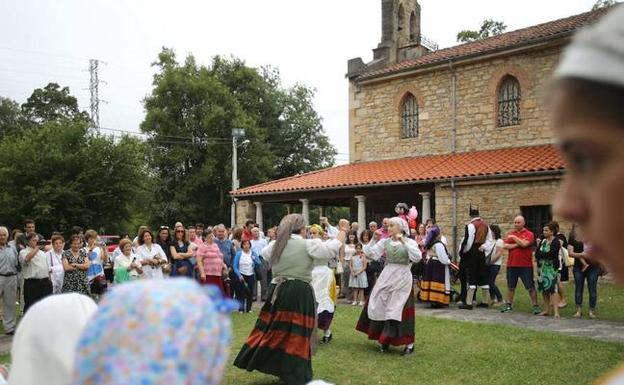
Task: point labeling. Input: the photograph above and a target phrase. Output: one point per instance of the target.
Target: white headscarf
(45, 342)
(597, 52)
(401, 223)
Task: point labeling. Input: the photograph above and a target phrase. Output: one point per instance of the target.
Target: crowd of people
(154, 330)
(384, 269)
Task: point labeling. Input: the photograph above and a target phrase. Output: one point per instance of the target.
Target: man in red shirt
(519, 243)
(247, 235)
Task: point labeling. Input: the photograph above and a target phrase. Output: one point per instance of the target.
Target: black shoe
(407, 351)
(465, 307)
(326, 340)
(384, 348)
(9, 333)
(483, 305)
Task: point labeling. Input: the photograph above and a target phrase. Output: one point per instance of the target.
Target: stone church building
(442, 129)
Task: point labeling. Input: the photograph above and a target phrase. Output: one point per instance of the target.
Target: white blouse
(154, 252)
(246, 265)
(123, 261)
(317, 250)
(375, 251)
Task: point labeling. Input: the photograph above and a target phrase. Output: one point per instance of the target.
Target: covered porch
(365, 203)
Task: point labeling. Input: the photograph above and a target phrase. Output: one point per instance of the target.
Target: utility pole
(236, 133)
(94, 85)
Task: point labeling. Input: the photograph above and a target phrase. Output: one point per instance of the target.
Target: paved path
(595, 329)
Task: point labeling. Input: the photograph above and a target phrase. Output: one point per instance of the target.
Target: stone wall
(498, 203)
(374, 116)
(245, 210)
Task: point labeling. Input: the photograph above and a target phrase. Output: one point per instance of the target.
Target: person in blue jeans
(494, 258)
(582, 270)
(244, 265)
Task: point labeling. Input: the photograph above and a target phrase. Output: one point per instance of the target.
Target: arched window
(413, 32)
(409, 117)
(400, 18)
(509, 102)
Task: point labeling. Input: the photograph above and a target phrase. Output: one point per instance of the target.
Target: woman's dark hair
(496, 231)
(74, 237)
(368, 233)
(552, 226)
(355, 240)
(160, 230)
(142, 235)
(245, 241)
(76, 230)
(30, 236)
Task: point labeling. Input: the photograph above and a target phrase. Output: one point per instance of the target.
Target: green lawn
(610, 300)
(447, 352)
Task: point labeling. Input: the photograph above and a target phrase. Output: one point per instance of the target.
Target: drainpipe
(453, 106)
(453, 149)
(454, 216)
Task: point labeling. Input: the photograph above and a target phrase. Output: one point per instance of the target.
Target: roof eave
(550, 41)
(550, 172)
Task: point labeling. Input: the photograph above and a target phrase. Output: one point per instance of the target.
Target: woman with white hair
(281, 341)
(44, 347)
(388, 317)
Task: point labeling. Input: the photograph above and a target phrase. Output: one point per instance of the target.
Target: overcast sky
(308, 41)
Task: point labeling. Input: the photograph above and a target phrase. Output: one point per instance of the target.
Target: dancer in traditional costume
(477, 238)
(324, 285)
(388, 316)
(435, 287)
(281, 341)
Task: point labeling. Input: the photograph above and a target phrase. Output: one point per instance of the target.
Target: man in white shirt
(36, 271)
(8, 281)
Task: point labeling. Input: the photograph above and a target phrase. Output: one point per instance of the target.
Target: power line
(188, 139)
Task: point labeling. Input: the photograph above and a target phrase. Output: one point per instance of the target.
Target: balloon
(413, 213)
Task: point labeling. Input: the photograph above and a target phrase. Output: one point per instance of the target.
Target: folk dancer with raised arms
(281, 342)
(389, 314)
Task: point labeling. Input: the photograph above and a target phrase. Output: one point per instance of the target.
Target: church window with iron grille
(409, 117)
(509, 102)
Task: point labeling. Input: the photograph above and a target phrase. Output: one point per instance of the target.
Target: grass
(446, 352)
(609, 307)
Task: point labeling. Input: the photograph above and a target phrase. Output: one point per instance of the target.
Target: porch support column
(305, 210)
(426, 206)
(321, 211)
(259, 214)
(361, 213)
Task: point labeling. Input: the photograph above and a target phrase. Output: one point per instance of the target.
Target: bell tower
(400, 36)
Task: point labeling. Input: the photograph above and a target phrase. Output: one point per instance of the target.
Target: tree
(52, 103)
(191, 112)
(603, 3)
(489, 28)
(61, 176)
(11, 119)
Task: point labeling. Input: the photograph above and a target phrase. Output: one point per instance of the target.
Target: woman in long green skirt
(281, 342)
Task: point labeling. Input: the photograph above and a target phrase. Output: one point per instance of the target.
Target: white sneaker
(361, 303)
(354, 303)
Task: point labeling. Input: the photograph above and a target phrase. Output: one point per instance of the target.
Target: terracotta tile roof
(421, 169)
(533, 34)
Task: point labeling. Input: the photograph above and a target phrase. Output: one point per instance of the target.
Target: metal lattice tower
(95, 99)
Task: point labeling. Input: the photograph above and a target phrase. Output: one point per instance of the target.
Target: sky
(308, 41)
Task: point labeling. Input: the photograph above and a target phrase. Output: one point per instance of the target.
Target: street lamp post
(236, 133)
